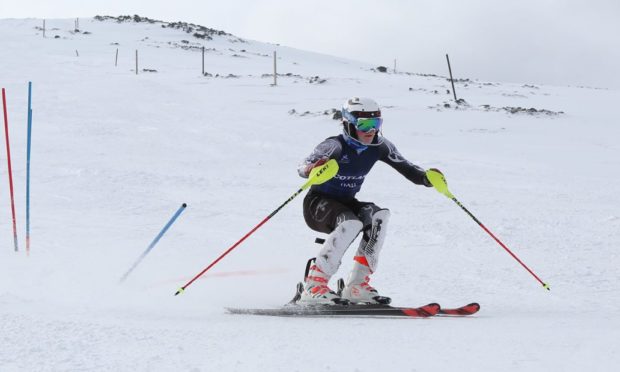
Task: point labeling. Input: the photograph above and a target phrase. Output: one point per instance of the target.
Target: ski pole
(161, 233)
(318, 175)
(439, 183)
(8, 157)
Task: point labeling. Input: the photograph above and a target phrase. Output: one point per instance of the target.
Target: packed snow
(114, 155)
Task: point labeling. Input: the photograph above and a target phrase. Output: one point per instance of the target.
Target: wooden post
(275, 69)
(76, 53)
(451, 79)
(203, 61)
(136, 61)
(116, 59)
(394, 65)
(44, 28)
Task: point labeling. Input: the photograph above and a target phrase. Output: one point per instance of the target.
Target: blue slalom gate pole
(29, 141)
(161, 233)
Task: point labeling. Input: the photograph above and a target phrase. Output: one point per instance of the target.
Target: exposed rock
(200, 32)
(316, 79)
(463, 105)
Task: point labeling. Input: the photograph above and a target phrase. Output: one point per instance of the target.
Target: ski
(346, 309)
(351, 310)
(465, 310)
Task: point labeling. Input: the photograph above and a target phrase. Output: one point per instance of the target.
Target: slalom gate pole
(29, 141)
(439, 182)
(318, 175)
(148, 249)
(8, 157)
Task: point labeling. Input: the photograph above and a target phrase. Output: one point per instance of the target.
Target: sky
(555, 42)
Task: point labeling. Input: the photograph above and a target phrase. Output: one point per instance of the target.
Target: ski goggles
(368, 124)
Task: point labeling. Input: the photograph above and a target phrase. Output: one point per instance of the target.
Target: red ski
(468, 309)
(344, 311)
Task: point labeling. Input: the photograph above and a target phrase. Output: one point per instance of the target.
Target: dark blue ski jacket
(355, 162)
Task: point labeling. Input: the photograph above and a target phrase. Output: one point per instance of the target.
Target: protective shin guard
(330, 256)
(371, 244)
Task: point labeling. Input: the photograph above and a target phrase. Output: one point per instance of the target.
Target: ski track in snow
(115, 154)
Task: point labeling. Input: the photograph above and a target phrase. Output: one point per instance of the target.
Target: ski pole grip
(438, 181)
(323, 173)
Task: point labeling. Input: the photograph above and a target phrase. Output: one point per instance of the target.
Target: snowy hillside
(114, 154)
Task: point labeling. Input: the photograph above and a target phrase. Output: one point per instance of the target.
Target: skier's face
(366, 137)
(366, 128)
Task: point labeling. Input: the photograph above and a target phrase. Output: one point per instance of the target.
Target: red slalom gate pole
(8, 156)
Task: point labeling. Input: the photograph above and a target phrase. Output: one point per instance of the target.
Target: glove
(426, 181)
(317, 163)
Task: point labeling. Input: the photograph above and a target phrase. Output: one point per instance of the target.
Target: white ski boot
(358, 290)
(315, 290)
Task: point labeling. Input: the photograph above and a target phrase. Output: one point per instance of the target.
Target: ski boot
(358, 290)
(314, 289)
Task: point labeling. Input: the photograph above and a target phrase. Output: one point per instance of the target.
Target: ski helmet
(361, 114)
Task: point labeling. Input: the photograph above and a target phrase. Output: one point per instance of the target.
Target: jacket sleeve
(328, 149)
(390, 155)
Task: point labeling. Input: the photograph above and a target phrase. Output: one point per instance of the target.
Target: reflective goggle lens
(368, 124)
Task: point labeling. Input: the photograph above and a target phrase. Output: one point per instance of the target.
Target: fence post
(116, 58)
(136, 61)
(44, 28)
(451, 79)
(203, 61)
(275, 69)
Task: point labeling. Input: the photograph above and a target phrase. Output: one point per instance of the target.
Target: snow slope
(115, 154)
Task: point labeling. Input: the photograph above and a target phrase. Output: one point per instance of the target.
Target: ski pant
(343, 220)
(323, 213)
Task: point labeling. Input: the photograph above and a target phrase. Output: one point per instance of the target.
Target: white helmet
(357, 108)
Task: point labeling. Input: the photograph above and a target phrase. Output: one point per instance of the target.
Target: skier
(333, 209)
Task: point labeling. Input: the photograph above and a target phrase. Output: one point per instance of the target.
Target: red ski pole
(8, 157)
(318, 176)
(439, 182)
